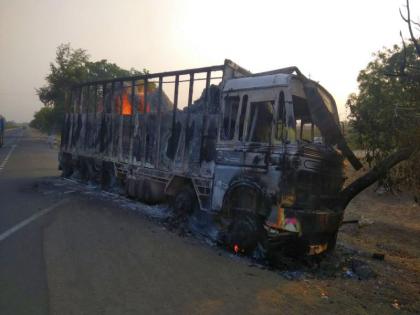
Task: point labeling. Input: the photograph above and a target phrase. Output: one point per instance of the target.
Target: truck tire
(244, 233)
(185, 202)
(66, 166)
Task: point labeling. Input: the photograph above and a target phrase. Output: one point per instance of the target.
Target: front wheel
(245, 232)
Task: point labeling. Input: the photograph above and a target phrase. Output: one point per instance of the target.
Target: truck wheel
(332, 242)
(244, 233)
(67, 168)
(84, 170)
(108, 179)
(185, 201)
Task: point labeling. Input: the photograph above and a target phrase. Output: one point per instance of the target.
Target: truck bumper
(308, 232)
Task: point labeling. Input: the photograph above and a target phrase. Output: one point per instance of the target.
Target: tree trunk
(352, 190)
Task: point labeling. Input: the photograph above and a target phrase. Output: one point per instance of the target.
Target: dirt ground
(389, 225)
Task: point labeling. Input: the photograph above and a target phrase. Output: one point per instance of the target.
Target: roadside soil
(389, 224)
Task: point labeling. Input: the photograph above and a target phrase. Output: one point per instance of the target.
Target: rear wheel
(332, 242)
(185, 202)
(66, 166)
(108, 178)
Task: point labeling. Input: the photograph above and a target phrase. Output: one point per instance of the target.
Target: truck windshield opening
(260, 120)
(305, 128)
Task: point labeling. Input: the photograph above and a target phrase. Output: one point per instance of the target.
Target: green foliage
(385, 113)
(72, 66)
(44, 120)
(10, 124)
(351, 136)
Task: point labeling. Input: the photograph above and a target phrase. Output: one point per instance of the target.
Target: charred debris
(260, 156)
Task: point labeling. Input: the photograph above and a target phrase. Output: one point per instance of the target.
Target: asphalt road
(23, 285)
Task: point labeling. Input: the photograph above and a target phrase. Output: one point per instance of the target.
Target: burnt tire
(332, 242)
(108, 180)
(84, 170)
(66, 167)
(244, 233)
(67, 171)
(185, 202)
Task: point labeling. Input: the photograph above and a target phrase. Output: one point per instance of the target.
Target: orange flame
(126, 105)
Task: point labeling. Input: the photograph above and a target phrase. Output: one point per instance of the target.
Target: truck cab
(274, 167)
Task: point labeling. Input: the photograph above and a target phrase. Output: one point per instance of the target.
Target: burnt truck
(2, 127)
(260, 154)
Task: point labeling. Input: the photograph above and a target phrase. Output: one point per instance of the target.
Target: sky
(330, 41)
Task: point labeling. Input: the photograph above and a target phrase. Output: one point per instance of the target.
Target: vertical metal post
(87, 99)
(95, 100)
(208, 78)
(175, 104)
(191, 89)
(95, 123)
(190, 97)
(111, 98)
(157, 159)
(104, 109)
(79, 109)
(120, 126)
(145, 96)
(145, 129)
(103, 123)
(174, 114)
(205, 115)
(133, 117)
(86, 120)
(70, 120)
(110, 109)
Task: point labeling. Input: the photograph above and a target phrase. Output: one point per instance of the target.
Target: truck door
(257, 131)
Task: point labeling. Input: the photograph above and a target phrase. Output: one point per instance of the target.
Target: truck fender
(249, 190)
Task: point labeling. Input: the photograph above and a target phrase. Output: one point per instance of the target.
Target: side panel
(129, 128)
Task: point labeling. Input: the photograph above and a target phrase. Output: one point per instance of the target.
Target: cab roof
(257, 82)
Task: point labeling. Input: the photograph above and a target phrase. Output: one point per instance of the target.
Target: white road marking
(6, 159)
(33, 217)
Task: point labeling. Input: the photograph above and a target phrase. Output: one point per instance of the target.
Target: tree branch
(404, 62)
(348, 193)
(408, 21)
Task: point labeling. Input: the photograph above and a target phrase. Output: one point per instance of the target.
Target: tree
(72, 66)
(386, 111)
(44, 119)
(413, 72)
